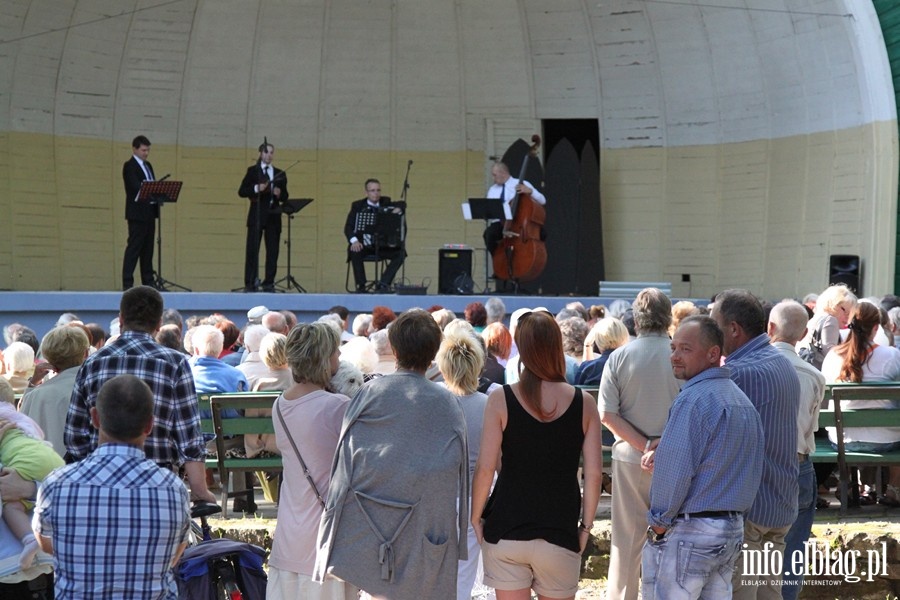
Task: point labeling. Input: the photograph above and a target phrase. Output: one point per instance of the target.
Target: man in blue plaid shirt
(176, 438)
(115, 522)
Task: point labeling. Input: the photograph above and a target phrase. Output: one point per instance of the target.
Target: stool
(370, 283)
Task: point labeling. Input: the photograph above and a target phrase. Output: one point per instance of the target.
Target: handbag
(290, 438)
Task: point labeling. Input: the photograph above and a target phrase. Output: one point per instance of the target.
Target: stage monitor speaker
(455, 271)
(846, 269)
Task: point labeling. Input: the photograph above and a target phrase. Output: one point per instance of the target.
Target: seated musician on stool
(506, 188)
(363, 244)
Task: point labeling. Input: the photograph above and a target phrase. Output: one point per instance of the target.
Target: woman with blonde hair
(860, 360)
(461, 361)
(307, 424)
(536, 523)
(604, 337)
(823, 332)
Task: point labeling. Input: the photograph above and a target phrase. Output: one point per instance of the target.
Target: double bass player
(506, 188)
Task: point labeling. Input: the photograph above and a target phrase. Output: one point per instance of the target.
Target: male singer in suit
(141, 216)
(266, 187)
(363, 244)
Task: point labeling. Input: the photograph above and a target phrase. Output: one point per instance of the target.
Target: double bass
(522, 255)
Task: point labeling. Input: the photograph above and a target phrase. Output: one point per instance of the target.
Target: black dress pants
(139, 249)
(271, 232)
(357, 259)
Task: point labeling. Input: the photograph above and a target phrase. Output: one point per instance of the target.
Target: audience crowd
(436, 445)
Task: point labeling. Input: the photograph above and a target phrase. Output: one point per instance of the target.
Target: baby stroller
(220, 569)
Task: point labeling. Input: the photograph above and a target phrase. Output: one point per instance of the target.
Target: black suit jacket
(359, 206)
(265, 203)
(133, 176)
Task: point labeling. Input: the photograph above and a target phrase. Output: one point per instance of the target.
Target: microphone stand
(405, 215)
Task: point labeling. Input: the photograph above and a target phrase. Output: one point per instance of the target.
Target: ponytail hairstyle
(541, 356)
(855, 350)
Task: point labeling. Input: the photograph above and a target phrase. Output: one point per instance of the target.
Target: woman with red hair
(536, 523)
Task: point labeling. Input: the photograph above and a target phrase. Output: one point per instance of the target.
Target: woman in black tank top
(534, 435)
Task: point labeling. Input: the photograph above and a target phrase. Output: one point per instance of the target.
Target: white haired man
(787, 326)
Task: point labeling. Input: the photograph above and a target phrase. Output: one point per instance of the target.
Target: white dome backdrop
(742, 141)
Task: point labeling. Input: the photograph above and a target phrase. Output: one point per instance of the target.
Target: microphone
(410, 163)
(166, 177)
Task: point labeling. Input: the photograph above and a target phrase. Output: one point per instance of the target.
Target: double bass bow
(522, 255)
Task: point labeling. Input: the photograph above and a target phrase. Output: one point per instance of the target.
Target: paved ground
(872, 520)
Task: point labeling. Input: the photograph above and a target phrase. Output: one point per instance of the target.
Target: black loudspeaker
(455, 271)
(846, 269)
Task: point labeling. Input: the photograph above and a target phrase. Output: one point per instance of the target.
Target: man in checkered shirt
(176, 439)
(115, 522)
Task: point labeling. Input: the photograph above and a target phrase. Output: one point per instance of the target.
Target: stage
(40, 310)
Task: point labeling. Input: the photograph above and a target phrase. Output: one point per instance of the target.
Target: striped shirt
(708, 458)
(176, 437)
(116, 521)
(771, 383)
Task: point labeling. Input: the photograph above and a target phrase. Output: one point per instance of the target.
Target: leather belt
(710, 514)
(802, 457)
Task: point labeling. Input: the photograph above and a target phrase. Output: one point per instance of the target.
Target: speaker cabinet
(846, 269)
(455, 271)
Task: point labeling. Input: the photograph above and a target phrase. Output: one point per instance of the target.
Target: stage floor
(40, 310)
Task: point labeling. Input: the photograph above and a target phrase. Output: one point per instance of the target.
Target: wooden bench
(868, 417)
(222, 428)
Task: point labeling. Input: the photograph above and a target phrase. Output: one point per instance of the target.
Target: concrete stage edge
(40, 310)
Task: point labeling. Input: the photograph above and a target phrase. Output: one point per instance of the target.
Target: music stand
(486, 209)
(290, 208)
(161, 193)
(386, 230)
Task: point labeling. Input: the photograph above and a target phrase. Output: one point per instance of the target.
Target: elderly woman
(860, 360)
(307, 424)
(461, 360)
(823, 332)
(391, 522)
(605, 336)
(18, 360)
(278, 377)
(536, 524)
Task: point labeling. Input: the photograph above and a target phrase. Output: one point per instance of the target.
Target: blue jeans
(694, 560)
(799, 531)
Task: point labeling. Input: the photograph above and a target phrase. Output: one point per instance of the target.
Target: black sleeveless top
(537, 494)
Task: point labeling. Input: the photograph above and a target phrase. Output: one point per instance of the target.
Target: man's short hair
(790, 319)
(380, 342)
(18, 357)
(894, 316)
(139, 141)
(66, 318)
(125, 407)
(171, 316)
(710, 334)
(341, 311)
(170, 337)
(253, 335)
(495, 308)
(368, 181)
(275, 321)
(361, 324)
(141, 309)
(64, 347)
(743, 308)
(652, 311)
(264, 146)
(207, 341)
(415, 338)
